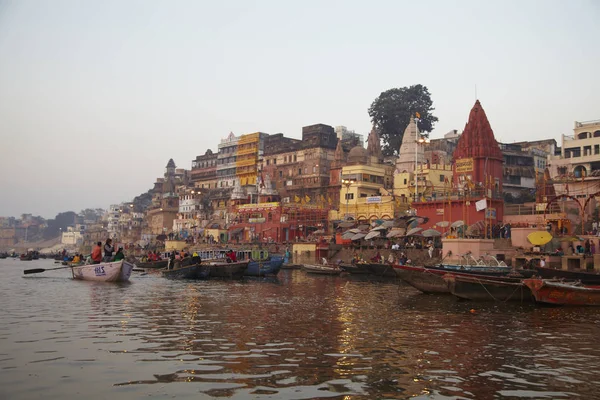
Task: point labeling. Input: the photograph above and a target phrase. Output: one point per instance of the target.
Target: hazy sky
(95, 97)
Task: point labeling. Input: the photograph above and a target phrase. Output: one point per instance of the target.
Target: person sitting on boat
(76, 259)
(119, 254)
(231, 257)
(391, 258)
(376, 258)
(108, 250)
(97, 253)
(323, 260)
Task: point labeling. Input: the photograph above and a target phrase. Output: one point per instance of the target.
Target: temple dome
(358, 155)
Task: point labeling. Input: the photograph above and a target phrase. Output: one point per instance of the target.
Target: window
(281, 174)
(314, 169)
(349, 196)
(295, 158)
(268, 162)
(299, 171)
(274, 161)
(405, 181)
(442, 180)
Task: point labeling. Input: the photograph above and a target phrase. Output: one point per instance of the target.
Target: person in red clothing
(97, 253)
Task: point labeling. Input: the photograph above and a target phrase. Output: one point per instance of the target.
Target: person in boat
(376, 258)
(391, 258)
(76, 259)
(543, 262)
(196, 258)
(119, 254)
(231, 257)
(108, 250)
(171, 264)
(97, 253)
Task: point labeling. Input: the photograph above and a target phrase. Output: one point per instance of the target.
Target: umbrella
(379, 228)
(388, 224)
(395, 232)
(358, 236)
(161, 237)
(443, 224)
(477, 227)
(372, 235)
(413, 231)
(539, 238)
(347, 224)
(348, 235)
(319, 232)
(457, 224)
(353, 230)
(413, 224)
(431, 233)
(363, 227)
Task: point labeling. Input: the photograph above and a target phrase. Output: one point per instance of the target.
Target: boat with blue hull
(271, 266)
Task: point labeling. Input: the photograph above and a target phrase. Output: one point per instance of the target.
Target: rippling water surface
(295, 337)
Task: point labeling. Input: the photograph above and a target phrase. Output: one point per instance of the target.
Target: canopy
(319, 232)
(379, 228)
(395, 233)
(443, 224)
(457, 224)
(359, 236)
(348, 235)
(372, 234)
(388, 224)
(347, 224)
(413, 231)
(363, 227)
(431, 233)
(539, 238)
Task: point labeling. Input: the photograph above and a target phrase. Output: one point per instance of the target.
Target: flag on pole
(417, 114)
(481, 204)
(297, 199)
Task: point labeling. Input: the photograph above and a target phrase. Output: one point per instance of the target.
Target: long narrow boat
(430, 279)
(587, 278)
(472, 287)
(380, 269)
(222, 269)
(117, 271)
(271, 266)
(152, 264)
(192, 271)
(564, 294)
(321, 269)
(356, 268)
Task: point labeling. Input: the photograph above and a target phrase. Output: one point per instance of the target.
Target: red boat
(567, 294)
(587, 278)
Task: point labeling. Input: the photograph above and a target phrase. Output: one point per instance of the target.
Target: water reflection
(295, 337)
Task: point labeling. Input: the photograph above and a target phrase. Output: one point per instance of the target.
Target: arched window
(580, 171)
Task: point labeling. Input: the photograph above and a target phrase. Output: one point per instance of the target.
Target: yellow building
(248, 149)
(363, 194)
(433, 181)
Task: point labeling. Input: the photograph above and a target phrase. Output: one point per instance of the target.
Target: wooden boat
(223, 269)
(26, 257)
(587, 278)
(473, 287)
(191, 271)
(559, 293)
(357, 268)
(117, 271)
(271, 266)
(327, 269)
(430, 279)
(152, 264)
(380, 269)
(290, 265)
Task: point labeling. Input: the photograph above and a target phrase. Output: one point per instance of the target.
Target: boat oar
(38, 270)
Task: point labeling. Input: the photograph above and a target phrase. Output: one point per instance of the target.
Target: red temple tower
(477, 176)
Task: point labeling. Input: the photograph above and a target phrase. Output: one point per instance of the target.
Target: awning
(236, 231)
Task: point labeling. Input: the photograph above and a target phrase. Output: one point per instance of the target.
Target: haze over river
(295, 337)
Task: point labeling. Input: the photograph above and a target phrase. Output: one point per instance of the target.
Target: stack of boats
(216, 264)
(497, 282)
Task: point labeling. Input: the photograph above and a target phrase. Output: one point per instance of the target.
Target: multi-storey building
(190, 212)
(249, 151)
(226, 161)
(204, 171)
(580, 152)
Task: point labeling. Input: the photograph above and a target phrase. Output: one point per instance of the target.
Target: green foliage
(60, 222)
(391, 113)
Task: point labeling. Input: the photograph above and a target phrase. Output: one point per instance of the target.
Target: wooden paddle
(38, 270)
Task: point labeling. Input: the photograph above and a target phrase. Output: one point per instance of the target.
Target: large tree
(391, 113)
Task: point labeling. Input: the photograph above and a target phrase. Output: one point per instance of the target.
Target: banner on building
(490, 213)
(464, 165)
(373, 199)
(481, 204)
(256, 220)
(439, 211)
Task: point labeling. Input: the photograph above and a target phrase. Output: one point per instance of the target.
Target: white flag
(481, 205)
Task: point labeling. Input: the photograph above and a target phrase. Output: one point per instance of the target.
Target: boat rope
(508, 298)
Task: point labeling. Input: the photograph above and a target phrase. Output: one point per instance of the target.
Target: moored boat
(326, 269)
(152, 264)
(565, 294)
(117, 271)
(223, 269)
(271, 266)
(356, 268)
(192, 271)
(587, 278)
(379, 269)
(472, 287)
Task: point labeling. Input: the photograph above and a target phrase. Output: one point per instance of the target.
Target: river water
(295, 337)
